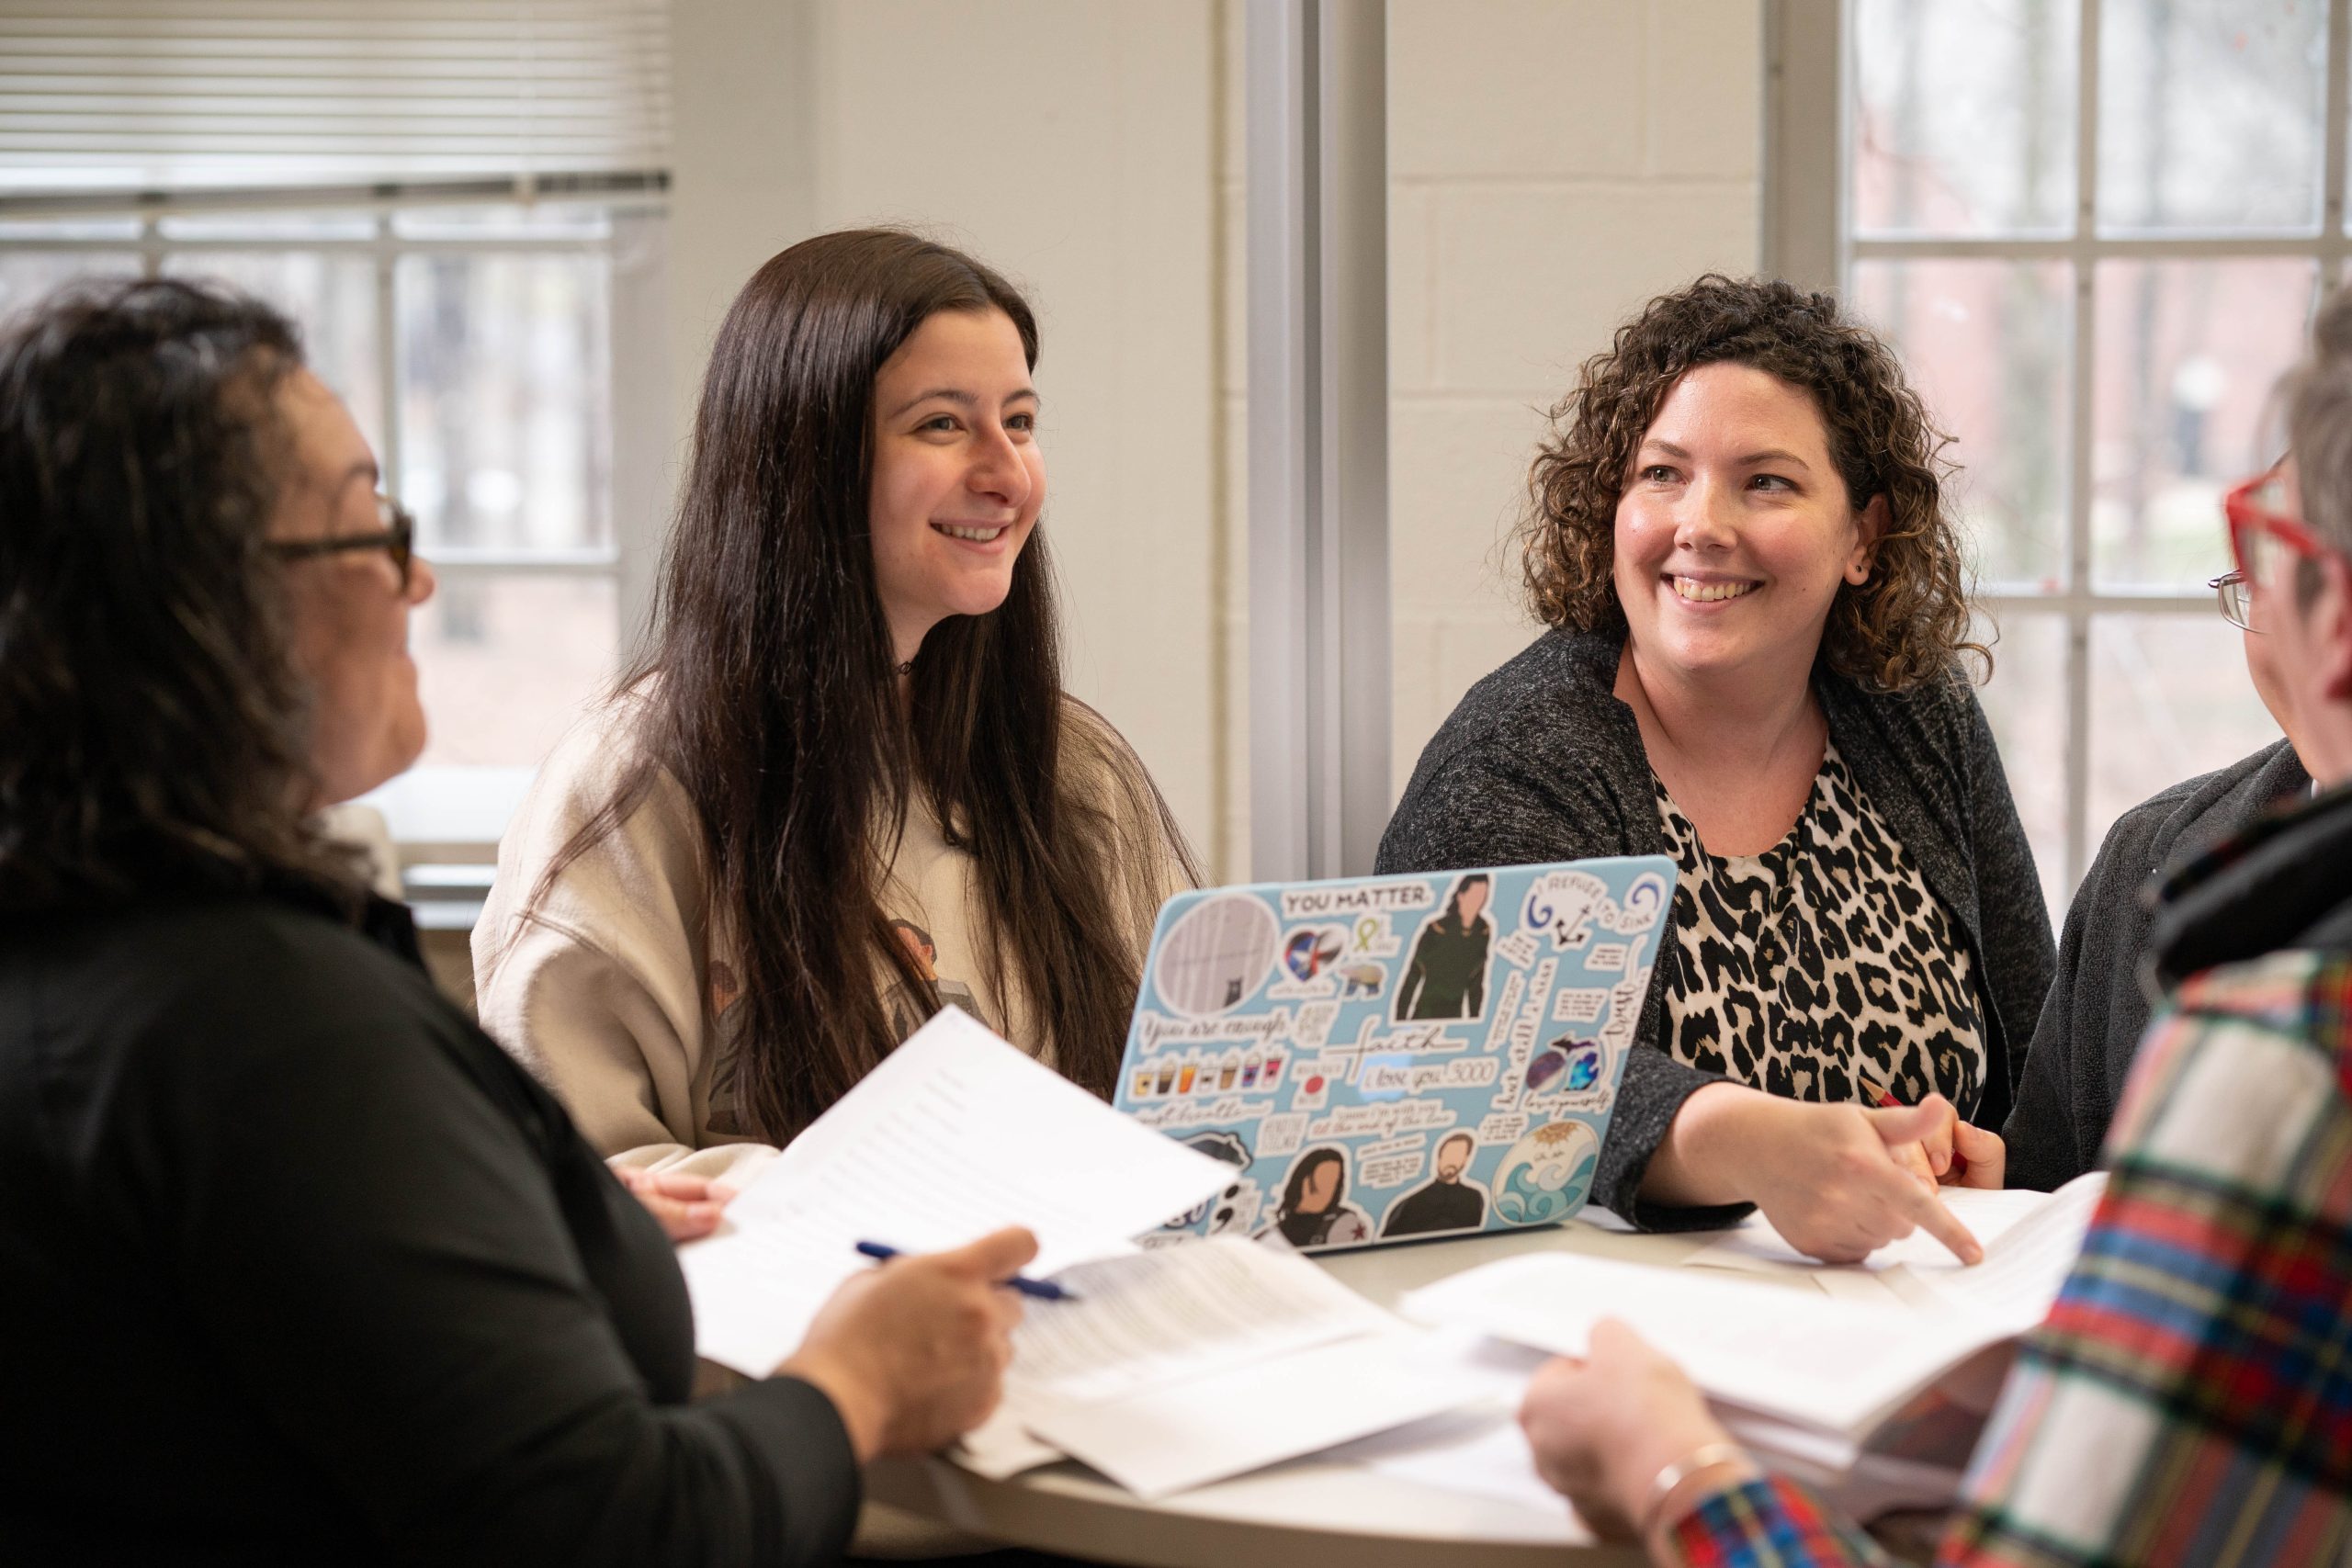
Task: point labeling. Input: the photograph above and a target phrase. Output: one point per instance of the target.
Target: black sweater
(2098, 1006)
(296, 1266)
(1541, 763)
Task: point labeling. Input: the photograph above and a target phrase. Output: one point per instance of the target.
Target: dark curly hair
(1910, 620)
(153, 729)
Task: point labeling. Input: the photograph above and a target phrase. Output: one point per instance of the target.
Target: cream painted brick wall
(1553, 164)
(1072, 144)
(1529, 87)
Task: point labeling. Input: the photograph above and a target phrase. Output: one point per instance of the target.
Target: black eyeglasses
(2237, 601)
(397, 539)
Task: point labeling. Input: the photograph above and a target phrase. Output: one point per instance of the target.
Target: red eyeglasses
(2263, 532)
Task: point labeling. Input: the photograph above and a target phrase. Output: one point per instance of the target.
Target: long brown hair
(1910, 621)
(769, 691)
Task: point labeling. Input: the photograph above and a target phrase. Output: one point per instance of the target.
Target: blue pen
(1035, 1290)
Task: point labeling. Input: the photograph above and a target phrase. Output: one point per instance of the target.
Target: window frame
(1808, 135)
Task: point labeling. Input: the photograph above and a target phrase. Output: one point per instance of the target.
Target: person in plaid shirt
(2190, 1398)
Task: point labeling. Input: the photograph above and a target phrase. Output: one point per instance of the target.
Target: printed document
(1988, 1215)
(1191, 1363)
(956, 1133)
(1839, 1366)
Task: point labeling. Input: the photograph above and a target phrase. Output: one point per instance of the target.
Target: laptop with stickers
(1391, 1058)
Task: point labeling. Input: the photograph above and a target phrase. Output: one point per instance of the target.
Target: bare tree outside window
(2095, 229)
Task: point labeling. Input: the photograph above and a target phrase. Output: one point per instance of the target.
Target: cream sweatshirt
(617, 992)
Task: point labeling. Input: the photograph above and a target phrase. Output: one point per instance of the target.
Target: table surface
(1298, 1515)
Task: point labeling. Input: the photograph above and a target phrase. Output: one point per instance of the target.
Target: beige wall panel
(1553, 164)
(1071, 144)
(1705, 89)
(1538, 87)
(1531, 281)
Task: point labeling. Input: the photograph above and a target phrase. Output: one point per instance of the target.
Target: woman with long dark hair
(282, 1234)
(849, 717)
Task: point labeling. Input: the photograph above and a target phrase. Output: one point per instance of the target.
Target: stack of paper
(1826, 1387)
(1165, 1370)
(1192, 1363)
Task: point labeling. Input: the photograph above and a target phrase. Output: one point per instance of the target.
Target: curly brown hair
(1903, 626)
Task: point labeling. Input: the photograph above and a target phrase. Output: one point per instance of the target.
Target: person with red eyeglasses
(2189, 1397)
(2089, 1031)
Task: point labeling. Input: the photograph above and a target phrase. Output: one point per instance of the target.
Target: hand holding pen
(915, 1354)
(1035, 1290)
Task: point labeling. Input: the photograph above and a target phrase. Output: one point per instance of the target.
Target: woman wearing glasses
(296, 1266)
(2090, 1027)
(849, 721)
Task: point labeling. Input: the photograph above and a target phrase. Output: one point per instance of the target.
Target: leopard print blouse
(1821, 969)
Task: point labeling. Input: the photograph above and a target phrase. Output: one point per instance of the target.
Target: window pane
(270, 226)
(1966, 116)
(2026, 705)
(505, 382)
(28, 276)
(2170, 699)
(545, 220)
(2209, 113)
(125, 230)
(507, 662)
(2188, 354)
(1986, 344)
(332, 297)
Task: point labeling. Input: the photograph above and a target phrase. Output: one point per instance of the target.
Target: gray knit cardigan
(1541, 761)
(2091, 1021)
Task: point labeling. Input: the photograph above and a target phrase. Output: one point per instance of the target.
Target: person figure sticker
(1314, 1210)
(1450, 1202)
(1446, 976)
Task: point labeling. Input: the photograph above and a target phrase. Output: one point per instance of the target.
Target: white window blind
(181, 94)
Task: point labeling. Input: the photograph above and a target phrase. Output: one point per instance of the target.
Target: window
(2095, 229)
(475, 345)
(462, 207)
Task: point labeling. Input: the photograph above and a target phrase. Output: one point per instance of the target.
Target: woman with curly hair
(1738, 537)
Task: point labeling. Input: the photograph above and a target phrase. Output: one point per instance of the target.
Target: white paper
(2020, 1278)
(1195, 1430)
(955, 1134)
(1001, 1447)
(1989, 1213)
(1180, 1312)
(1834, 1364)
(1481, 1453)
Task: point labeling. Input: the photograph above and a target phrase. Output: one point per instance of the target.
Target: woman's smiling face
(959, 479)
(1735, 530)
